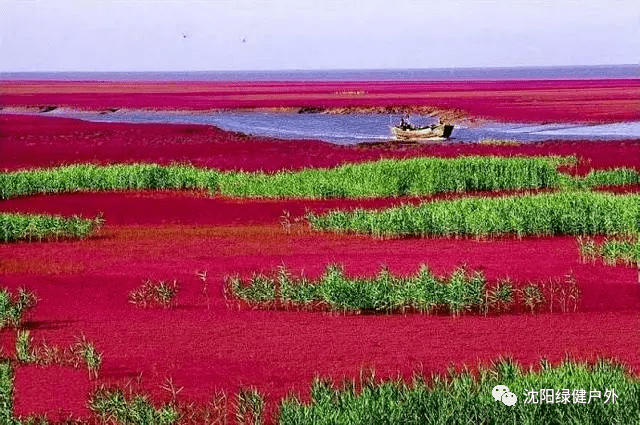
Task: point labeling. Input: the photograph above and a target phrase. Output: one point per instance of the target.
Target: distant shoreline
(596, 72)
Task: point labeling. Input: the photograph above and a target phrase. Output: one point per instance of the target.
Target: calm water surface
(358, 128)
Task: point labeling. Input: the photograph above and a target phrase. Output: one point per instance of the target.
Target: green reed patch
(466, 398)
(600, 178)
(154, 294)
(382, 178)
(574, 213)
(83, 177)
(112, 406)
(6, 393)
(249, 407)
(417, 176)
(24, 347)
(613, 177)
(13, 307)
(81, 354)
(86, 352)
(390, 177)
(461, 291)
(611, 251)
(571, 392)
(38, 227)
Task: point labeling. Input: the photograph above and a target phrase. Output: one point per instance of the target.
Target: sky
(198, 35)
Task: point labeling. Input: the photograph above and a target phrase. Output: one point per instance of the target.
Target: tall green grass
(425, 292)
(382, 178)
(82, 177)
(152, 294)
(465, 398)
(390, 177)
(611, 251)
(249, 407)
(574, 213)
(112, 406)
(459, 397)
(461, 291)
(38, 227)
(86, 352)
(599, 178)
(13, 307)
(24, 347)
(6, 394)
(613, 177)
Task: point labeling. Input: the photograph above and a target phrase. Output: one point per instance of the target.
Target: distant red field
(208, 344)
(527, 100)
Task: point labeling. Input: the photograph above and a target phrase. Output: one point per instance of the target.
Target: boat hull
(435, 133)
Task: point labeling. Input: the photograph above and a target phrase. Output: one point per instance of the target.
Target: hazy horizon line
(551, 72)
(329, 69)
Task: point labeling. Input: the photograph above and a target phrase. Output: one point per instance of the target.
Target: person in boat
(405, 124)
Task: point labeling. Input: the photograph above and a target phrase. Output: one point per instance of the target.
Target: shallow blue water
(358, 128)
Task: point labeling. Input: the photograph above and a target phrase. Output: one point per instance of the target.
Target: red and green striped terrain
(207, 340)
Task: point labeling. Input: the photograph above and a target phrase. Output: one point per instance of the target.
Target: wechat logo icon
(502, 393)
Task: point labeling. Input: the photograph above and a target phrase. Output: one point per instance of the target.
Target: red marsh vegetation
(205, 342)
(522, 100)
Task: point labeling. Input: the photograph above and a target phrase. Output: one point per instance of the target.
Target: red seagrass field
(207, 343)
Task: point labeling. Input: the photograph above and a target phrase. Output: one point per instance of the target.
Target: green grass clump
(390, 177)
(462, 291)
(113, 407)
(82, 177)
(424, 292)
(13, 307)
(152, 294)
(611, 251)
(261, 289)
(614, 177)
(462, 398)
(6, 394)
(599, 178)
(249, 407)
(86, 352)
(24, 348)
(27, 227)
(574, 213)
(81, 354)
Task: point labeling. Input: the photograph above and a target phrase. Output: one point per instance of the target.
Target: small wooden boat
(434, 132)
